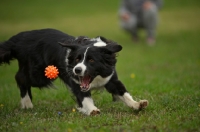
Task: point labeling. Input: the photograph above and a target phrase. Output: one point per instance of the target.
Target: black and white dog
(83, 64)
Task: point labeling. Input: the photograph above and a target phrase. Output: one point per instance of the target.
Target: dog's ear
(114, 48)
(81, 39)
(69, 45)
(111, 48)
(102, 39)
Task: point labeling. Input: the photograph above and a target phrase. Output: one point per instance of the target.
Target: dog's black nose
(78, 70)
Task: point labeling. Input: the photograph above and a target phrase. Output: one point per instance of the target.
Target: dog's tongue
(85, 81)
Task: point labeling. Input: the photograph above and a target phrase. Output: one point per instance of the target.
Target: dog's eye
(91, 60)
(77, 60)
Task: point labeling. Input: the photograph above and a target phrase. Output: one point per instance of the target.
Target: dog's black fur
(82, 65)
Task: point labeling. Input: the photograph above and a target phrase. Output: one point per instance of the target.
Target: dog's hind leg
(25, 89)
(117, 89)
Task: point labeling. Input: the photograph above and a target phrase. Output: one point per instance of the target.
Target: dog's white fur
(88, 106)
(128, 100)
(26, 102)
(100, 81)
(67, 55)
(99, 44)
(82, 65)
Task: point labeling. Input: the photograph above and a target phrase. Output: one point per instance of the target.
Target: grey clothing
(140, 18)
(135, 6)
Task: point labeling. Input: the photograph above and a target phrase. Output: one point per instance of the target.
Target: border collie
(83, 64)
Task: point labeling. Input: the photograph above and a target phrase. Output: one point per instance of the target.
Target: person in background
(136, 14)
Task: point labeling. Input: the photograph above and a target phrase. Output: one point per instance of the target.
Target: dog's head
(92, 61)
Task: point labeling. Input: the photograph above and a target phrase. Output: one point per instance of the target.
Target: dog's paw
(143, 104)
(95, 112)
(91, 112)
(26, 103)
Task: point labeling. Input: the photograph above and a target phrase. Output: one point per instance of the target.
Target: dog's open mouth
(85, 82)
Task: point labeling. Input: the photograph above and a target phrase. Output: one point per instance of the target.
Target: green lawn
(167, 74)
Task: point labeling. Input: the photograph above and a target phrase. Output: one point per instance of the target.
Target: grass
(168, 74)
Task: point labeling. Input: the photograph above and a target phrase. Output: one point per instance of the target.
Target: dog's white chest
(100, 81)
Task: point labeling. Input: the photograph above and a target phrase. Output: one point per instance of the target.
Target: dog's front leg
(85, 102)
(88, 107)
(115, 87)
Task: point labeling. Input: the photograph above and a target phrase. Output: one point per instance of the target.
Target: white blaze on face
(81, 65)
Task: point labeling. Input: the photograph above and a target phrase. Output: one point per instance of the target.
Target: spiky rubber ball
(51, 72)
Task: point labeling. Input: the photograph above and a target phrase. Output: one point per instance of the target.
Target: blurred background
(91, 18)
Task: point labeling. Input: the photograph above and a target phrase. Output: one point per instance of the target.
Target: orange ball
(51, 72)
